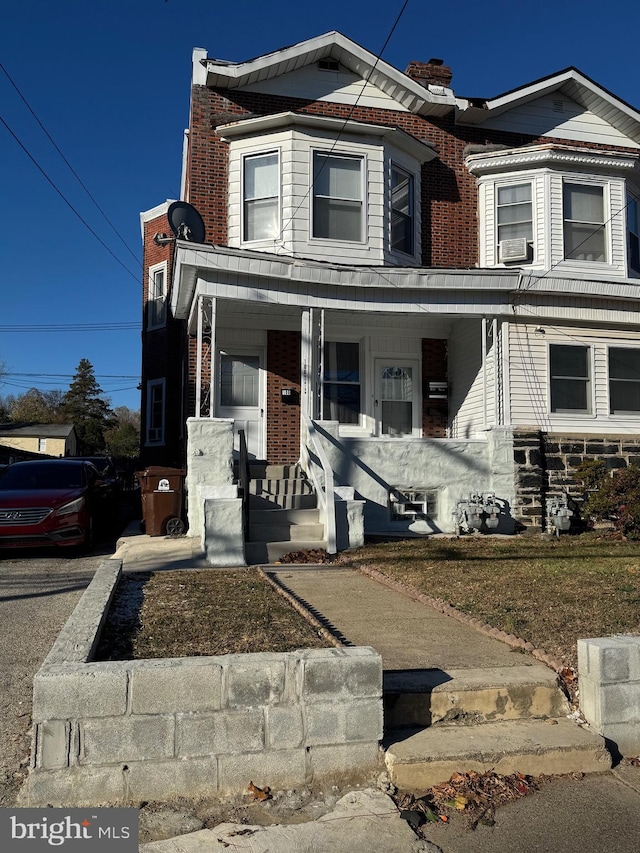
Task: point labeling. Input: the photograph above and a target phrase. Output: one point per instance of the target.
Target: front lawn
(548, 592)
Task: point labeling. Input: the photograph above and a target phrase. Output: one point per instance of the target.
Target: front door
(242, 398)
(397, 397)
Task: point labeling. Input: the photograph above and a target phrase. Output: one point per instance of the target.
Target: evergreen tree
(85, 407)
(123, 438)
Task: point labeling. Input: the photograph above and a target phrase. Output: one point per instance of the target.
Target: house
(43, 439)
(428, 302)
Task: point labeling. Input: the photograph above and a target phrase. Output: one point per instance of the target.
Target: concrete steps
(507, 719)
(430, 756)
(283, 514)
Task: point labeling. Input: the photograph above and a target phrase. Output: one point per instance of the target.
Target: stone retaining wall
(118, 732)
(545, 464)
(609, 672)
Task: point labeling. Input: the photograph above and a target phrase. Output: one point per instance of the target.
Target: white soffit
(412, 96)
(571, 83)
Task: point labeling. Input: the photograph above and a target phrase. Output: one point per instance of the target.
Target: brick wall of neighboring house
(283, 419)
(435, 413)
(545, 465)
(162, 348)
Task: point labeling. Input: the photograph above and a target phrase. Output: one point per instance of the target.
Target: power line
(66, 200)
(73, 171)
(73, 327)
(71, 375)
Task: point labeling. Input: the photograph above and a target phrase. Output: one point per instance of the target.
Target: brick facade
(283, 419)
(435, 413)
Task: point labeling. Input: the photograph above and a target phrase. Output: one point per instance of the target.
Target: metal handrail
(244, 476)
(325, 491)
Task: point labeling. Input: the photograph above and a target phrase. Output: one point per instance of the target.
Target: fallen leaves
(259, 794)
(475, 795)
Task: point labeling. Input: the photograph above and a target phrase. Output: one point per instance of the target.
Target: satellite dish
(185, 221)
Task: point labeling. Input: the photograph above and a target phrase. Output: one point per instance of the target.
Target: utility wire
(66, 200)
(73, 171)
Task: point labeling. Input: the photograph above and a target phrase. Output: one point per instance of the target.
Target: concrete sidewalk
(595, 814)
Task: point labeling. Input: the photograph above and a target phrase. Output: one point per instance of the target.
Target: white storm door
(397, 401)
(242, 398)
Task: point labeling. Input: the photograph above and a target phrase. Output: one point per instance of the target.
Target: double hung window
(624, 380)
(157, 302)
(341, 385)
(514, 212)
(584, 228)
(155, 411)
(261, 197)
(402, 207)
(337, 197)
(570, 378)
(633, 231)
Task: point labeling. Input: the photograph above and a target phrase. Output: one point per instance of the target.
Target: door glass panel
(396, 392)
(239, 380)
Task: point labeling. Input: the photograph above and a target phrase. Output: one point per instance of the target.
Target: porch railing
(314, 457)
(244, 477)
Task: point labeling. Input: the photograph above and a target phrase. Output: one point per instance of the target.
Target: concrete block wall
(120, 732)
(609, 675)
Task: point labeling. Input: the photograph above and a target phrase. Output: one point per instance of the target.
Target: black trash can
(162, 491)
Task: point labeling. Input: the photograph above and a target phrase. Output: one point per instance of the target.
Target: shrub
(612, 496)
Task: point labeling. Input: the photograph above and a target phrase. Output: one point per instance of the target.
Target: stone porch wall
(545, 465)
(127, 731)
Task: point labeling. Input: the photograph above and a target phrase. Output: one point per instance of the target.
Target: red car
(52, 502)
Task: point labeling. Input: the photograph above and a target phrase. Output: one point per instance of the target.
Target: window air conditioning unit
(516, 249)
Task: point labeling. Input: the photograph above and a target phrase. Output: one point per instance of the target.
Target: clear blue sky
(109, 79)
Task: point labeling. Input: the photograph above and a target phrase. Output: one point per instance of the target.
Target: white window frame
(42, 445)
(339, 155)
(633, 229)
(516, 182)
(618, 412)
(360, 383)
(158, 437)
(396, 167)
(604, 187)
(254, 155)
(157, 301)
(589, 380)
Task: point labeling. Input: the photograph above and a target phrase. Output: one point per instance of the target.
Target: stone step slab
(264, 553)
(418, 760)
(421, 698)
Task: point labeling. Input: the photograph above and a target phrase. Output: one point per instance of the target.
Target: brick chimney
(434, 71)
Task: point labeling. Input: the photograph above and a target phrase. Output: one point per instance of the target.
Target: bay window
(633, 232)
(402, 211)
(584, 229)
(337, 197)
(261, 188)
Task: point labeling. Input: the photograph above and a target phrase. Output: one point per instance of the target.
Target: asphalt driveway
(38, 592)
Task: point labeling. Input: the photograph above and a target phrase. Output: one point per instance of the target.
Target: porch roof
(271, 279)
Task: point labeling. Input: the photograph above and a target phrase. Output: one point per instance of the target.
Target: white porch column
(311, 355)
(213, 371)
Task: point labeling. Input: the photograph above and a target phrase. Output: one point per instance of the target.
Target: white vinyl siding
(529, 379)
(312, 83)
(466, 378)
(543, 117)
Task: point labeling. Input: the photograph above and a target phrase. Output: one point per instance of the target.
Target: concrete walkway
(408, 634)
(595, 814)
